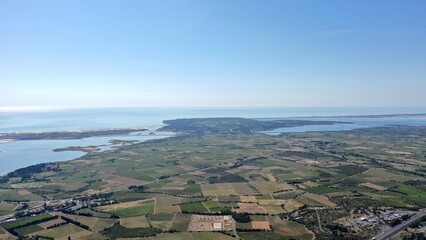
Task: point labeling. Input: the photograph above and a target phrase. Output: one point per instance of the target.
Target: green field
(214, 206)
(196, 207)
(323, 190)
(6, 209)
(15, 224)
(133, 174)
(411, 191)
(94, 213)
(64, 230)
(263, 197)
(134, 222)
(289, 176)
(10, 195)
(28, 229)
(161, 217)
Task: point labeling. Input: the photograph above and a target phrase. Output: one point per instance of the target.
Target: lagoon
(20, 154)
(351, 123)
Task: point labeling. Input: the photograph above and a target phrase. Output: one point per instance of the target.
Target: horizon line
(16, 109)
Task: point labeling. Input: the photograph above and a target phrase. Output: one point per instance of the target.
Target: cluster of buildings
(392, 215)
(73, 204)
(371, 220)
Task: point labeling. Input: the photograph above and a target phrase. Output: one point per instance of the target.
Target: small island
(123, 142)
(86, 149)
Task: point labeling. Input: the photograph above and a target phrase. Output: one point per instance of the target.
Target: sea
(19, 154)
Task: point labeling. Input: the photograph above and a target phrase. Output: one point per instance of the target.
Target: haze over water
(152, 118)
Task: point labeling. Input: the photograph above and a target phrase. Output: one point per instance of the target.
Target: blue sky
(212, 53)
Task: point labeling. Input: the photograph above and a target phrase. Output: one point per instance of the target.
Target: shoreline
(85, 149)
(394, 115)
(66, 134)
(91, 149)
(44, 135)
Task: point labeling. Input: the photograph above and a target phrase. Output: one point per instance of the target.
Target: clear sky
(212, 53)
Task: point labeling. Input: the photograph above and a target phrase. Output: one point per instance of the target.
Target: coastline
(70, 135)
(60, 150)
(395, 115)
(67, 134)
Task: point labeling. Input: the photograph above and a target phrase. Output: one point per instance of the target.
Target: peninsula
(67, 135)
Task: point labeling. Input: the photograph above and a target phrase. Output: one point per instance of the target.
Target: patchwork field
(195, 207)
(7, 208)
(63, 232)
(290, 229)
(11, 195)
(166, 204)
(134, 222)
(130, 209)
(251, 208)
(267, 187)
(219, 189)
(223, 167)
(314, 200)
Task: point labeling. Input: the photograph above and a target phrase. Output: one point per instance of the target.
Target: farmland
(274, 187)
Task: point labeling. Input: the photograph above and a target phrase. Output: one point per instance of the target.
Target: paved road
(390, 232)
